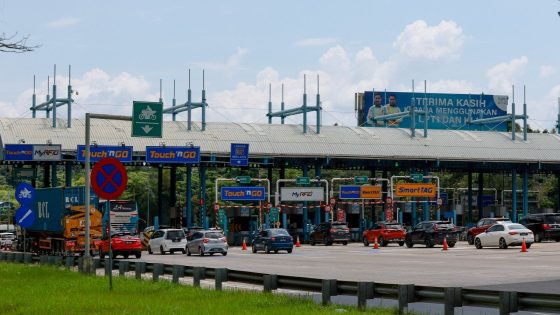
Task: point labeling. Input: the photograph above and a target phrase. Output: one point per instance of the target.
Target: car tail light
(546, 226)
(436, 228)
(70, 244)
(273, 239)
(513, 233)
(224, 239)
(332, 230)
(117, 240)
(205, 240)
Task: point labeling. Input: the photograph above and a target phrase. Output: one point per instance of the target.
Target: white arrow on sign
(25, 216)
(147, 128)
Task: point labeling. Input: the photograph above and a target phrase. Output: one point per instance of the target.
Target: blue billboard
(180, 155)
(18, 152)
(96, 153)
(239, 155)
(243, 193)
(349, 192)
(445, 111)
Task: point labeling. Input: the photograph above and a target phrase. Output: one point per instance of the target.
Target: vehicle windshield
(214, 235)
(339, 226)
(552, 219)
(443, 226)
(176, 234)
(279, 232)
(517, 227)
(7, 236)
(393, 226)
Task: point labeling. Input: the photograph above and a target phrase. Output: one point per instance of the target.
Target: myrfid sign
(445, 111)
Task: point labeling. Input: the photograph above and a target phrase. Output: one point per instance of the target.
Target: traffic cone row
(244, 245)
(375, 244)
(444, 243)
(523, 246)
(298, 244)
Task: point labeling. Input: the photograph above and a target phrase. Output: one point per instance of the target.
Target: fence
(506, 301)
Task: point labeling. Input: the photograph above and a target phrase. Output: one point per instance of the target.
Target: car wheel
(254, 249)
(211, 254)
(188, 251)
(502, 243)
(266, 249)
(477, 243)
(344, 243)
(470, 239)
(538, 237)
(528, 245)
(183, 251)
(101, 254)
(289, 251)
(224, 253)
(429, 243)
(325, 241)
(409, 243)
(365, 241)
(200, 251)
(381, 241)
(401, 243)
(150, 250)
(451, 244)
(312, 242)
(138, 254)
(161, 250)
(276, 251)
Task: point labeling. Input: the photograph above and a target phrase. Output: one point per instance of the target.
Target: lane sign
(108, 178)
(147, 119)
(25, 193)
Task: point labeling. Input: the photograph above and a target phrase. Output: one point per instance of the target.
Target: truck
(59, 225)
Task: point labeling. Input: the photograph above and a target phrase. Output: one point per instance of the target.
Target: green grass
(33, 289)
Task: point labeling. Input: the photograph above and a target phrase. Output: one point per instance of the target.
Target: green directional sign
(147, 119)
(274, 215)
(417, 177)
(303, 181)
(243, 179)
(221, 215)
(361, 179)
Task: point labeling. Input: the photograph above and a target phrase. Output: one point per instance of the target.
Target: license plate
(523, 234)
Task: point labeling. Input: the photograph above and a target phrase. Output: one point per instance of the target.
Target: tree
(13, 45)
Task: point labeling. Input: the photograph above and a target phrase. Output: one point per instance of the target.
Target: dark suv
(431, 233)
(543, 225)
(330, 232)
(481, 227)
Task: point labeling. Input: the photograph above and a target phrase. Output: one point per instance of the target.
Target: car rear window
(214, 235)
(393, 226)
(279, 232)
(516, 227)
(339, 226)
(176, 234)
(445, 226)
(552, 219)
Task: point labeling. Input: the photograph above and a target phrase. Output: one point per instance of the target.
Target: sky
(119, 51)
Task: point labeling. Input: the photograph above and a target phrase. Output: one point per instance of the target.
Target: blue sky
(119, 50)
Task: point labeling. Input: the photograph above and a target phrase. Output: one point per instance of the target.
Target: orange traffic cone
(523, 246)
(244, 245)
(444, 243)
(298, 244)
(375, 244)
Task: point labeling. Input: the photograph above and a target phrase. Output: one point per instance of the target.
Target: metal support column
(385, 192)
(173, 193)
(426, 205)
(514, 195)
(46, 175)
(318, 209)
(203, 217)
(189, 196)
(54, 178)
(480, 194)
(469, 198)
(160, 194)
(68, 174)
(525, 192)
(305, 211)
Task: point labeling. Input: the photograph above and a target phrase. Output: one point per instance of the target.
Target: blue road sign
(181, 155)
(25, 216)
(25, 194)
(18, 152)
(96, 153)
(349, 192)
(243, 193)
(239, 155)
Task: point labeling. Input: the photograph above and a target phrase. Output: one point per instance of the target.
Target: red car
(123, 244)
(386, 232)
(482, 226)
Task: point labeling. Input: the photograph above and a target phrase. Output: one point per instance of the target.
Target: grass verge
(33, 289)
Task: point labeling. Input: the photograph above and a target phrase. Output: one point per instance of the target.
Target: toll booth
(242, 222)
(294, 219)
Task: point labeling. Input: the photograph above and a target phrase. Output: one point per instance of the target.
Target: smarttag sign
(243, 193)
(415, 190)
(96, 153)
(179, 155)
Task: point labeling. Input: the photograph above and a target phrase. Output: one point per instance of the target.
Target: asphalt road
(537, 270)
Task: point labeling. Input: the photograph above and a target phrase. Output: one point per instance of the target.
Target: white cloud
(319, 41)
(418, 40)
(546, 71)
(503, 75)
(63, 22)
(233, 62)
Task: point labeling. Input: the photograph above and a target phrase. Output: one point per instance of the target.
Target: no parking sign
(108, 178)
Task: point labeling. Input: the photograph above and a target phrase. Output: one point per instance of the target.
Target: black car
(330, 232)
(272, 240)
(543, 225)
(431, 233)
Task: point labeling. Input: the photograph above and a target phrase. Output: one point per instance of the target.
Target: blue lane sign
(25, 216)
(243, 193)
(180, 155)
(25, 194)
(239, 155)
(96, 153)
(349, 192)
(18, 152)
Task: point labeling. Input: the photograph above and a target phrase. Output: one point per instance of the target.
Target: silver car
(207, 242)
(167, 240)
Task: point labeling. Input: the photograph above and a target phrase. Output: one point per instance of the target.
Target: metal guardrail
(452, 297)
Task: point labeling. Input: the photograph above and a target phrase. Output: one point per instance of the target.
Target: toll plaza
(189, 156)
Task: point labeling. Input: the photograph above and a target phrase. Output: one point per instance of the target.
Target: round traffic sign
(216, 206)
(108, 178)
(389, 200)
(25, 216)
(439, 201)
(25, 193)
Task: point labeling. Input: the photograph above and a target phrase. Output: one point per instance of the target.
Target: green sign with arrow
(147, 119)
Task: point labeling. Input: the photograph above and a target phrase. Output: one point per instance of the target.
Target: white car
(168, 240)
(6, 240)
(505, 234)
